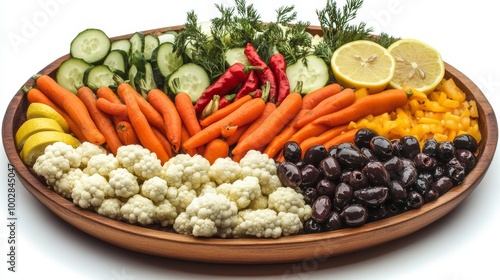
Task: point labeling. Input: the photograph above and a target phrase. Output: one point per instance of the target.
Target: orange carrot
(322, 138)
(274, 123)
(141, 126)
(152, 115)
(308, 130)
(313, 98)
(247, 113)
(73, 106)
(184, 136)
(101, 120)
(114, 109)
(329, 105)
(228, 131)
(346, 137)
(108, 94)
(34, 95)
(221, 113)
(126, 133)
(173, 123)
(270, 107)
(217, 148)
(185, 107)
(233, 139)
(374, 104)
(164, 141)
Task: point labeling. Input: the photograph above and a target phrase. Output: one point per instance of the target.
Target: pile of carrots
(167, 126)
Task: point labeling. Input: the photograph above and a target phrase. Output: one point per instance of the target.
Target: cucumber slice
(98, 76)
(70, 73)
(122, 44)
(137, 42)
(167, 36)
(135, 76)
(117, 60)
(151, 42)
(165, 61)
(314, 75)
(236, 55)
(190, 78)
(147, 83)
(91, 45)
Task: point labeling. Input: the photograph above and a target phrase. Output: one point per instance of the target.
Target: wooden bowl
(247, 250)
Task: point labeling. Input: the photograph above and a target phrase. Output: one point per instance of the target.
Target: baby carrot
(217, 148)
(329, 105)
(105, 92)
(346, 137)
(126, 133)
(247, 113)
(171, 119)
(270, 107)
(164, 141)
(274, 123)
(152, 115)
(114, 109)
(322, 138)
(374, 104)
(184, 136)
(72, 105)
(185, 107)
(221, 113)
(313, 98)
(308, 130)
(141, 126)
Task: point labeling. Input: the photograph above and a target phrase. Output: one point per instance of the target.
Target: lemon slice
(363, 64)
(35, 145)
(33, 126)
(40, 110)
(417, 65)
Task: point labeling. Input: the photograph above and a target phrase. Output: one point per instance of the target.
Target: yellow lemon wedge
(363, 64)
(33, 126)
(40, 110)
(35, 145)
(418, 65)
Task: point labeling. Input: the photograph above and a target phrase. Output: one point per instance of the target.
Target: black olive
(310, 195)
(382, 147)
(421, 186)
(321, 208)
(345, 175)
(409, 146)
(289, 174)
(408, 175)
(363, 137)
(333, 221)
(427, 175)
(415, 200)
(332, 151)
(376, 173)
(397, 191)
(369, 154)
(377, 213)
(342, 196)
(325, 187)
(430, 147)
(310, 176)
(466, 158)
(442, 185)
(396, 148)
(372, 196)
(311, 226)
(354, 215)
(292, 151)
(315, 154)
(394, 166)
(351, 158)
(424, 162)
(445, 151)
(358, 180)
(330, 168)
(455, 170)
(465, 141)
(431, 195)
(439, 171)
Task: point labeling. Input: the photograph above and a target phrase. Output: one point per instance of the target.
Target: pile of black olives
(349, 185)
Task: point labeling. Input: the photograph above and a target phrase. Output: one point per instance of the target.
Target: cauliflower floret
(224, 170)
(102, 164)
(87, 150)
(258, 223)
(138, 209)
(288, 200)
(184, 169)
(180, 197)
(90, 191)
(260, 202)
(209, 187)
(165, 213)
(242, 192)
(139, 161)
(110, 208)
(155, 189)
(64, 186)
(259, 165)
(57, 159)
(290, 223)
(208, 215)
(123, 183)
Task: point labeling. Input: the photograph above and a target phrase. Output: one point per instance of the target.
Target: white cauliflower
(224, 170)
(259, 165)
(155, 189)
(57, 159)
(165, 213)
(110, 208)
(88, 150)
(138, 209)
(242, 192)
(261, 223)
(209, 187)
(208, 215)
(180, 197)
(64, 185)
(288, 200)
(90, 191)
(184, 169)
(260, 202)
(123, 183)
(102, 164)
(139, 161)
(290, 223)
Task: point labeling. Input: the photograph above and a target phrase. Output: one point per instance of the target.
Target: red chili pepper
(266, 74)
(251, 84)
(230, 79)
(226, 100)
(278, 65)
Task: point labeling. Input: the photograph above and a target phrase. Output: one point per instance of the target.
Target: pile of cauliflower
(226, 199)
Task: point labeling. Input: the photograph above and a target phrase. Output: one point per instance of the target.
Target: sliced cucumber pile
(313, 73)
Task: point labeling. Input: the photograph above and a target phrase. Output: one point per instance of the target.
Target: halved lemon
(33, 126)
(363, 64)
(40, 110)
(417, 65)
(35, 145)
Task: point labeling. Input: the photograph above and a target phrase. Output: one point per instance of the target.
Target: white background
(462, 245)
